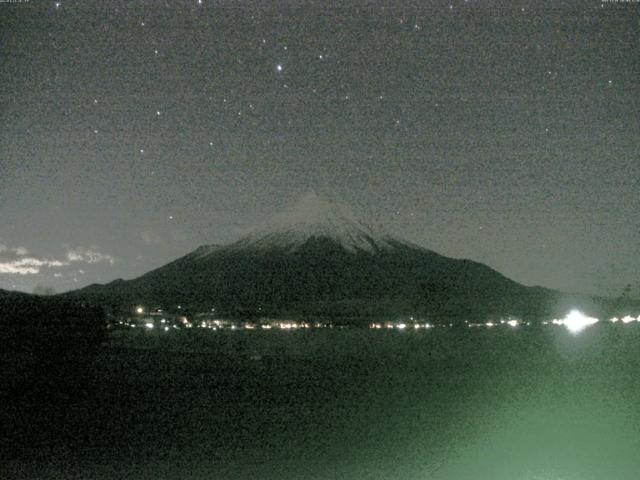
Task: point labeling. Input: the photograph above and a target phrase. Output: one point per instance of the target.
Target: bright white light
(628, 319)
(166, 329)
(512, 323)
(489, 324)
(401, 326)
(614, 320)
(576, 321)
(148, 325)
(279, 68)
(139, 310)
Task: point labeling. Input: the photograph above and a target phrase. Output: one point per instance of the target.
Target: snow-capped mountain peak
(316, 217)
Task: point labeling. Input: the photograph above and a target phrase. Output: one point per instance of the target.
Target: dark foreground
(495, 404)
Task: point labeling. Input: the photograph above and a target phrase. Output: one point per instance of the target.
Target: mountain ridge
(313, 216)
(318, 259)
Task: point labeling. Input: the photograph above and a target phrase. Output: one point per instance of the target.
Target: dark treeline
(47, 345)
(50, 326)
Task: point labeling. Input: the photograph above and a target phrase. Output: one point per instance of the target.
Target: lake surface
(502, 403)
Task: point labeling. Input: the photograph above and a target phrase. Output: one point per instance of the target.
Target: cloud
(27, 265)
(89, 255)
(9, 267)
(21, 251)
(18, 260)
(150, 238)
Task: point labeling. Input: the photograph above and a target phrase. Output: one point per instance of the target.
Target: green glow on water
(495, 403)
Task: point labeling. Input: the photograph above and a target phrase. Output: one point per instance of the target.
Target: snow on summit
(316, 217)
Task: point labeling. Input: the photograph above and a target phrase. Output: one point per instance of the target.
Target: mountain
(318, 259)
(314, 217)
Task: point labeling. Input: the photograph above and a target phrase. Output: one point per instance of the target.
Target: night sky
(506, 132)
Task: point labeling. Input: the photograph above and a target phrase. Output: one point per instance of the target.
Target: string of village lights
(575, 322)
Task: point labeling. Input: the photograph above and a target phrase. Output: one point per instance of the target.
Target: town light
(576, 321)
